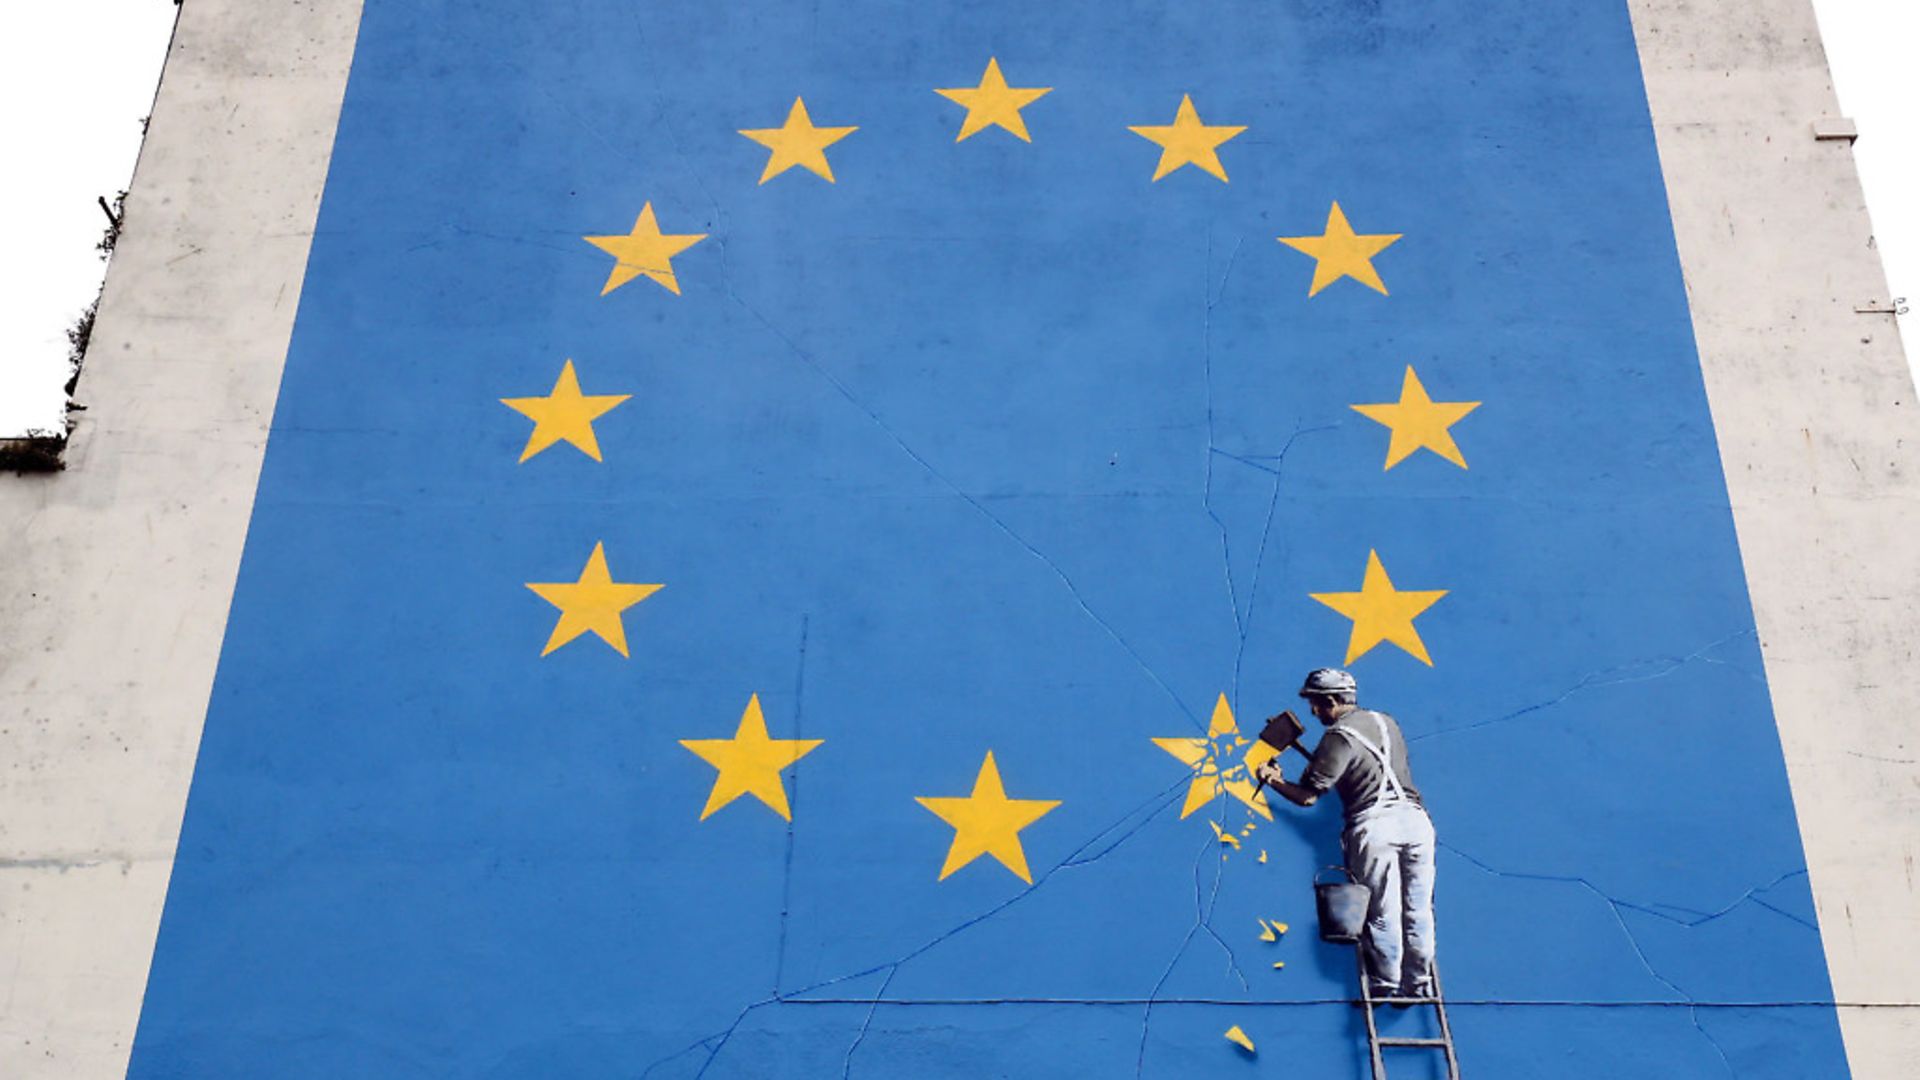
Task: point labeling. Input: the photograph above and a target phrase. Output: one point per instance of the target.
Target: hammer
(1284, 732)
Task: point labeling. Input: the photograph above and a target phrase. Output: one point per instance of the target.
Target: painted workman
(1388, 838)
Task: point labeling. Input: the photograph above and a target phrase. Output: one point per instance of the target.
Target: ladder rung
(1412, 1042)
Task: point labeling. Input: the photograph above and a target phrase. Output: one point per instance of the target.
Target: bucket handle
(1350, 878)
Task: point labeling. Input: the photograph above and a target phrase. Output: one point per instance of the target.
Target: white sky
(76, 76)
(1870, 47)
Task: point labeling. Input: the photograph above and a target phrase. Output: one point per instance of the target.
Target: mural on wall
(853, 664)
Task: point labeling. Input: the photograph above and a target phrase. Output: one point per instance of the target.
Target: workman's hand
(1269, 771)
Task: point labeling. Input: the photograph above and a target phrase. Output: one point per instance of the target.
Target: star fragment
(1418, 422)
(1187, 141)
(591, 604)
(1381, 612)
(565, 415)
(994, 104)
(1204, 757)
(644, 252)
(797, 142)
(988, 823)
(1340, 252)
(750, 763)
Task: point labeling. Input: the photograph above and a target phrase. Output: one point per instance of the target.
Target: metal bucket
(1342, 906)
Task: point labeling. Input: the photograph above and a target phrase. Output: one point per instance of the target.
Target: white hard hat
(1328, 680)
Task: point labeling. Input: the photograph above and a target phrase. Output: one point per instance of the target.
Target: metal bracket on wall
(1896, 306)
(1835, 128)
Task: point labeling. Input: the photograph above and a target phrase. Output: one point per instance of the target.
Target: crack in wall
(1693, 918)
(1203, 922)
(846, 392)
(64, 863)
(1146, 811)
(1242, 624)
(1244, 629)
(846, 1068)
(979, 507)
(1205, 896)
(1606, 677)
(1615, 907)
(793, 808)
(1211, 299)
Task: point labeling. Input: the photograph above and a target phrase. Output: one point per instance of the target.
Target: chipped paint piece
(1263, 855)
(1266, 931)
(1239, 1038)
(1225, 837)
(1279, 965)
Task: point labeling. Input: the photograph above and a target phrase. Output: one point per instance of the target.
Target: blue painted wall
(988, 445)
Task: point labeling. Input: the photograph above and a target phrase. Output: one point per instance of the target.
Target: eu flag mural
(795, 535)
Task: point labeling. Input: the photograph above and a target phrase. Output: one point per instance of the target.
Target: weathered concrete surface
(120, 570)
(1814, 407)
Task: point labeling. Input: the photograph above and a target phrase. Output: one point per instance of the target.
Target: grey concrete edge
(1814, 409)
(121, 569)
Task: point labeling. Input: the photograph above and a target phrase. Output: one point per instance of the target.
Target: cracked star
(1204, 757)
(645, 252)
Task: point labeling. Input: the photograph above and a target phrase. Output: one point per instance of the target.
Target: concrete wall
(120, 570)
(1814, 406)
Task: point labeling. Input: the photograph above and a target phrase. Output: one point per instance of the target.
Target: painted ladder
(1375, 1043)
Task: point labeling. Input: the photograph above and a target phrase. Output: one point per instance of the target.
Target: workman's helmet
(1329, 682)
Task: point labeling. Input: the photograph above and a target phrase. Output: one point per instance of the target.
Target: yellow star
(1419, 421)
(750, 763)
(592, 603)
(988, 823)
(645, 250)
(1187, 141)
(1382, 613)
(566, 415)
(1203, 757)
(797, 142)
(994, 104)
(1340, 252)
